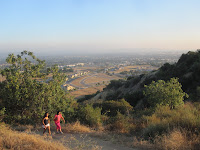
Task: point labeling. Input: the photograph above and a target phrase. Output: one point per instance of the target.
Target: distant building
(70, 88)
(80, 64)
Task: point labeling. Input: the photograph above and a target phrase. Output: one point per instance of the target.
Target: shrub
(177, 139)
(115, 84)
(165, 93)
(121, 123)
(112, 95)
(89, 115)
(134, 97)
(27, 93)
(111, 107)
(165, 120)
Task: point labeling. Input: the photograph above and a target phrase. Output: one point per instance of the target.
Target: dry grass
(24, 128)
(77, 81)
(128, 68)
(142, 144)
(177, 139)
(2, 78)
(93, 79)
(99, 78)
(15, 140)
(176, 129)
(87, 91)
(76, 128)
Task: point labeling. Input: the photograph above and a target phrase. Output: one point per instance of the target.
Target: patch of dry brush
(76, 128)
(17, 140)
(178, 139)
(177, 129)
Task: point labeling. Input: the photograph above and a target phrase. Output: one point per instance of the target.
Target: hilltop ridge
(187, 70)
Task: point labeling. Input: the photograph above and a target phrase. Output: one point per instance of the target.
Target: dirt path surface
(78, 141)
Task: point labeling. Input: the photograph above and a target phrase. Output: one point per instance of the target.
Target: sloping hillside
(187, 69)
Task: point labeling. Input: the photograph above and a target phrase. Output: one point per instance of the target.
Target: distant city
(108, 61)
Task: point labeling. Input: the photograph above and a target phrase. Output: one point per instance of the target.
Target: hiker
(46, 123)
(57, 121)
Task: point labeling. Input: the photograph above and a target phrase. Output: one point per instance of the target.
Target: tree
(27, 93)
(165, 93)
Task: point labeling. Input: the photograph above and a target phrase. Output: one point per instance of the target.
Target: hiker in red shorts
(57, 122)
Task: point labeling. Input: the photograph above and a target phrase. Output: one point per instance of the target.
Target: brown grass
(178, 139)
(128, 68)
(76, 128)
(2, 78)
(24, 128)
(15, 140)
(142, 144)
(86, 68)
(77, 81)
(99, 78)
(87, 91)
(93, 79)
(174, 140)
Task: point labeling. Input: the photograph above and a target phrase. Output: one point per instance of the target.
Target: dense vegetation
(160, 115)
(186, 70)
(151, 106)
(29, 90)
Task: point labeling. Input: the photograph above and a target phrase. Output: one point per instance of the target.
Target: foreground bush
(30, 90)
(15, 140)
(165, 120)
(177, 139)
(170, 129)
(89, 115)
(121, 124)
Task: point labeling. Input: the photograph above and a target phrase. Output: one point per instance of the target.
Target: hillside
(187, 70)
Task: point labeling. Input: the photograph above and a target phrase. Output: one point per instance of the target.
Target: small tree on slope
(165, 93)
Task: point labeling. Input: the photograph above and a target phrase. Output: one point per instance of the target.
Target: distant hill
(187, 69)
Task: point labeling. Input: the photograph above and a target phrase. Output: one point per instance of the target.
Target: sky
(84, 26)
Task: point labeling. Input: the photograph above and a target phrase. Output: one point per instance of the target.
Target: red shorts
(58, 125)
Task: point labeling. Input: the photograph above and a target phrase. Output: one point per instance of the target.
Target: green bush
(111, 107)
(113, 95)
(89, 115)
(165, 93)
(134, 97)
(115, 84)
(121, 123)
(28, 92)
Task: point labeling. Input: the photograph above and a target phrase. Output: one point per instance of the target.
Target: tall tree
(29, 90)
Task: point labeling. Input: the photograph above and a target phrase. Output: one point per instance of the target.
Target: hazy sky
(99, 25)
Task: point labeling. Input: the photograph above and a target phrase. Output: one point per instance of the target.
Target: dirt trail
(86, 142)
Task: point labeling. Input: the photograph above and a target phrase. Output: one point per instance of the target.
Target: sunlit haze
(98, 26)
